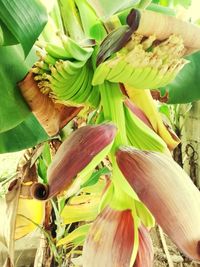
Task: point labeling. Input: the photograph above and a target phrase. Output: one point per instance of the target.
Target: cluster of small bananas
(144, 63)
(64, 72)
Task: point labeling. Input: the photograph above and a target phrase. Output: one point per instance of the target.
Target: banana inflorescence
(144, 62)
(70, 73)
(65, 73)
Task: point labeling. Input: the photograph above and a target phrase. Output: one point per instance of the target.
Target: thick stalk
(123, 195)
(112, 102)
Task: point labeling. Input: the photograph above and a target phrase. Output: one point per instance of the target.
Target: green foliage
(95, 176)
(171, 3)
(161, 9)
(22, 22)
(26, 134)
(43, 162)
(13, 68)
(111, 6)
(185, 87)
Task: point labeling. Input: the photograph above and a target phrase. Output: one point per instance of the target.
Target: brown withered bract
(52, 116)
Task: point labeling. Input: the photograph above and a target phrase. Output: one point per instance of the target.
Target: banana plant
(94, 65)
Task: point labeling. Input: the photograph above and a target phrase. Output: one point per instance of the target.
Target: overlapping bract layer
(77, 156)
(169, 194)
(143, 100)
(139, 134)
(111, 239)
(143, 63)
(145, 250)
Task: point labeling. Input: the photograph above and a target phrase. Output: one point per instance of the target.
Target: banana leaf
(13, 68)
(184, 3)
(22, 21)
(7, 38)
(26, 134)
(105, 8)
(186, 86)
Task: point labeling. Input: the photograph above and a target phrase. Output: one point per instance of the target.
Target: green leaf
(173, 3)
(105, 8)
(23, 20)
(76, 237)
(25, 135)
(164, 108)
(185, 87)
(42, 170)
(13, 68)
(161, 9)
(184, 3)
(95, 177)
(43, 162)
(7, 38)
(87, 211)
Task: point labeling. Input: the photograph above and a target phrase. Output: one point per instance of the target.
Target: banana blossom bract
(168, 192)
(111, 239)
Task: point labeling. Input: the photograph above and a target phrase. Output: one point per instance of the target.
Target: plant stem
(112, 102)
(123, 194)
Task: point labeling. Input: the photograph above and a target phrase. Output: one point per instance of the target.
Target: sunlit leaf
(164, 109)
(184, 3)
(86, 211)
(75, 237)
(32, 209)
(144, 214)
(23, 20)
(105, 8)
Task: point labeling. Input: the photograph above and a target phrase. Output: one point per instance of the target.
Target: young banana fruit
(65, 72)
(142, 64)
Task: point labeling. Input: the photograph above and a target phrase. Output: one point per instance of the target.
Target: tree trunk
(190, 136)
